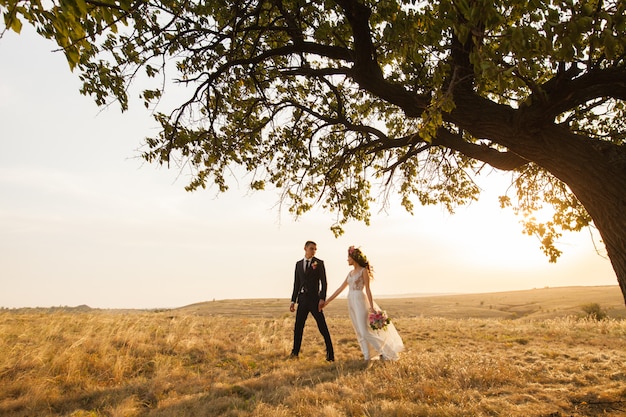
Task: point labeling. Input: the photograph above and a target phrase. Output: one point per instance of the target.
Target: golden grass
(179, 363)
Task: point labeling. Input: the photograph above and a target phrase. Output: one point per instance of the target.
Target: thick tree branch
(505, 161)
(502, 160)
(367, 72)
(561, 94)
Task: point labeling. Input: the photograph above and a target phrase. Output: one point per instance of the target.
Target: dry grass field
(526, 353)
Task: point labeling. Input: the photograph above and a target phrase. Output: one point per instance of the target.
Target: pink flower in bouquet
(379, 320)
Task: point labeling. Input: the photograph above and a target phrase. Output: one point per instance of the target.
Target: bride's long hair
(359, 257)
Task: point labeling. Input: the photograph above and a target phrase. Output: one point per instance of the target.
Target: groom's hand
(292, 307)
(321, 304)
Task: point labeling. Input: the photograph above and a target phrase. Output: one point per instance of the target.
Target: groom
(308, 277)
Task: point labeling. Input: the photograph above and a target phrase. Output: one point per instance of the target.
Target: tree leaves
(339, 103)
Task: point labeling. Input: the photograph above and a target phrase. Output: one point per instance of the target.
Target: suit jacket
(309, 284)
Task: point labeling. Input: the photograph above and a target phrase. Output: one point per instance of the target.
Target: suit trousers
(308, 305)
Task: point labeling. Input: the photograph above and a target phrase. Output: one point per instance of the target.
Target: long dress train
(385, 344)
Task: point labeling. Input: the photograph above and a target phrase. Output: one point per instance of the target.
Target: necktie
(307, 265)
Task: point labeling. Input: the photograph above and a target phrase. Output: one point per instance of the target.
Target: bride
(383, 344)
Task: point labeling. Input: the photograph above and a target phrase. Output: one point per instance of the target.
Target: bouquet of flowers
(379, 320)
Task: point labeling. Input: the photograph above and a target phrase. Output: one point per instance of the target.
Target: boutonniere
(314, 264)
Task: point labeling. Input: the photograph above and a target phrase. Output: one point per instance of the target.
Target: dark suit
(309, 287)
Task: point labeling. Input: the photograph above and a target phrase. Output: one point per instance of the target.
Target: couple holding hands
(309, 293)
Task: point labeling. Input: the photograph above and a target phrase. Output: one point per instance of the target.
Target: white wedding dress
(383, 344)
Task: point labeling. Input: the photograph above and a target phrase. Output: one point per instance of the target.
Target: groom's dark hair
(309, 242)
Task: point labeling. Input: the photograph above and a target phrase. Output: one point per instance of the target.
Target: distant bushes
(593, 311)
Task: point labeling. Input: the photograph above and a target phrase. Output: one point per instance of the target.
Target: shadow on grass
(271, 386)
(266, 393)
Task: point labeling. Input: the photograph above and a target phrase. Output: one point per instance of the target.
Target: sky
(84, 221)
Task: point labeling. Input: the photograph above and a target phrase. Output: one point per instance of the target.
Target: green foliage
(340, 103)
(72, 24)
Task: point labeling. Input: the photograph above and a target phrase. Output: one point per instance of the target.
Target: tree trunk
(613, 232)
(606, 204)
(596, 174)
(595, 171)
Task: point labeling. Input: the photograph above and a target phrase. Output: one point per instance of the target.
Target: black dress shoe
(330, 359)
(293, 356)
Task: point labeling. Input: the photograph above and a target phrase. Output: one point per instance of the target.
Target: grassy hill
(544, 303)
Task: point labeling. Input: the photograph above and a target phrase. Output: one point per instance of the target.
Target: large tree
(341, 102)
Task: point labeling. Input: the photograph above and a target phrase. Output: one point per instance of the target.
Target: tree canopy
(341, 103)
